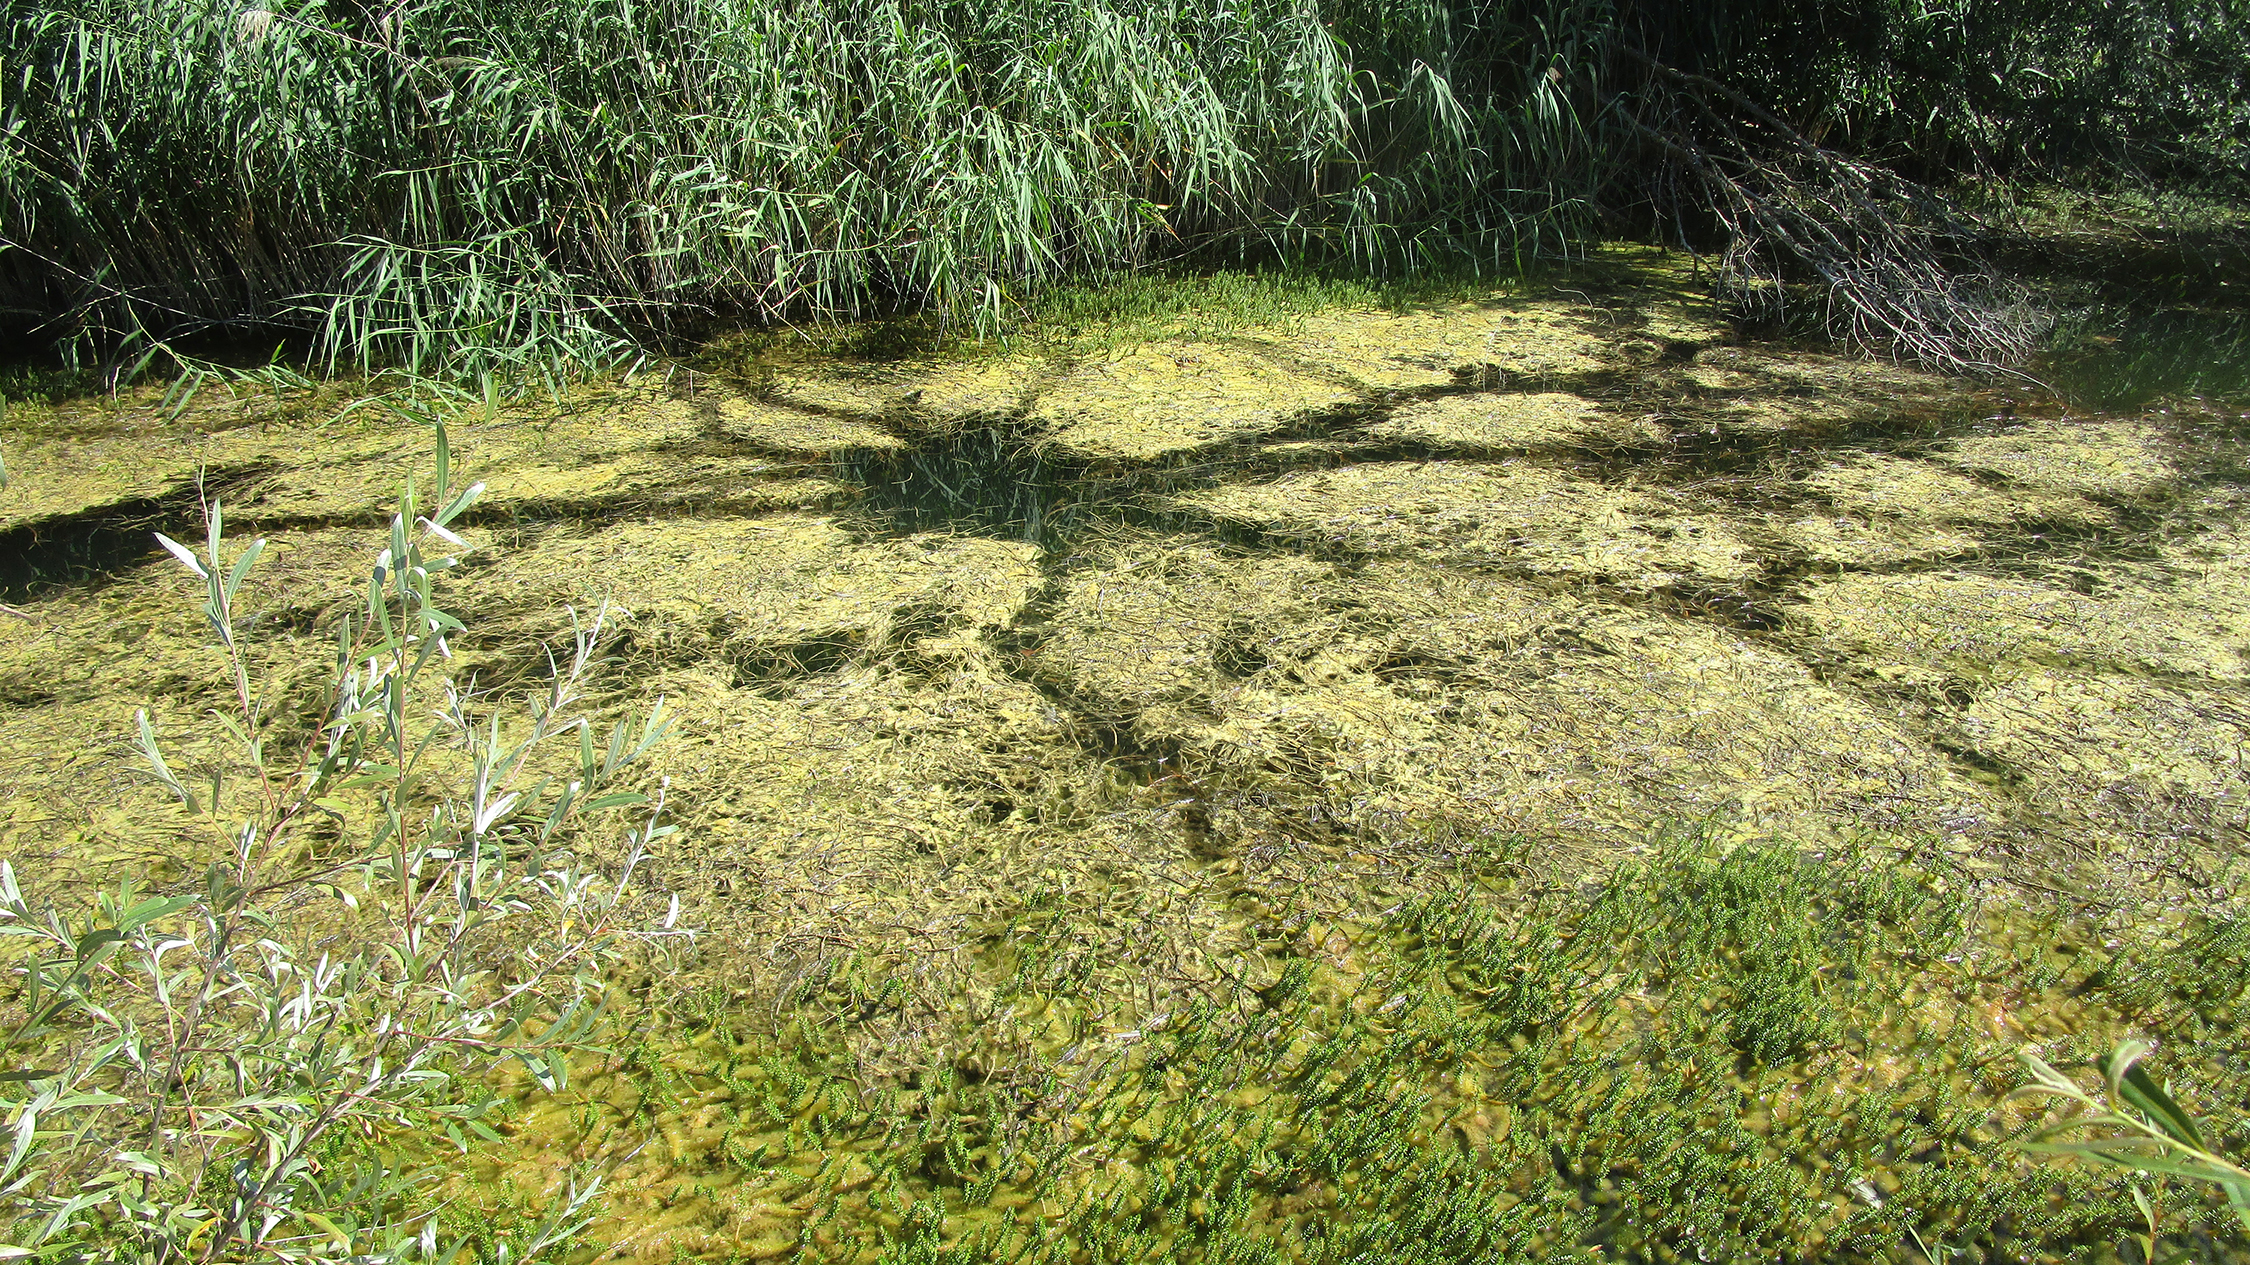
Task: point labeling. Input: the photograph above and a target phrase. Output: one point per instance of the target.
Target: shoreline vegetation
(484, 191)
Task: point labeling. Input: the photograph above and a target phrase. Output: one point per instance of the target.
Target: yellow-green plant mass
(1522, 776)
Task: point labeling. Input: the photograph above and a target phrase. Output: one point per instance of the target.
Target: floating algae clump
(77, 663)
(874, 796)
(773, 596)
(1162, 620)
(648, 450)
(786, 431)
(1012, 856)
(2204, 591)
(1503, 515)
(953, 390)
(1296, 696)
(72, 675)
(2149, 757)
(849, 736)
(2110, 711)
(1932, 627)
(1912, 491)
(1493, 424)
(1765, 391)
(89, 458)
(1687, 325)
(1163, 401)
(622, 448)
(1507, 341)
(2116, 461)
(1157, 402)
(1872, 541)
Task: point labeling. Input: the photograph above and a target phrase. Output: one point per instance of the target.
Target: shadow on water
(998, 479)
(992, 479)
(40, 556)
(33, 560)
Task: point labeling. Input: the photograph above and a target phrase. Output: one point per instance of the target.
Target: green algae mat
(1533, 776)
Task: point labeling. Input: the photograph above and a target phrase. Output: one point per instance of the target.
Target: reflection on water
(2138, 352)
(2120, 359)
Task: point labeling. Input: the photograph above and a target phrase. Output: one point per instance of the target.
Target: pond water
(1035, 698)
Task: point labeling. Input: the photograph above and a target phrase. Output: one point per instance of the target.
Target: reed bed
(483, 188)
(488, 190)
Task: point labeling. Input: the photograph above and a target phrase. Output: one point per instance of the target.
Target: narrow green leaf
(95, 941)
(149, 911)
(2150, 1098)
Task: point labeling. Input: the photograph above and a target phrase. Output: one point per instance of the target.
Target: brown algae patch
(1492, 424)
(1507, 515)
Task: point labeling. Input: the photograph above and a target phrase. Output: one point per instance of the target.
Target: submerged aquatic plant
(222, 1072)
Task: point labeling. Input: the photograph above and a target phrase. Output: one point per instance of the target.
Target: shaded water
(2121, 360)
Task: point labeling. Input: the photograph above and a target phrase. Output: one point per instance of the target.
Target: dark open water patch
(92, 546)
(2114, 359)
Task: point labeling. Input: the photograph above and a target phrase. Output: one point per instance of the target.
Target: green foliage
(2138, 1126)
(222, 1072)
(471, 187)
(466, 187)
(1776, 936)
(2191, 988)
(1127, 309)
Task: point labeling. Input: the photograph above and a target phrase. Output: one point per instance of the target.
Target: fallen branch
(1875, 244)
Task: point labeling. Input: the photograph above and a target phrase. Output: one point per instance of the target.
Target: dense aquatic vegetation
(1461, 775)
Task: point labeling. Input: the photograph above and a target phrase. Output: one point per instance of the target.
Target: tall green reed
(477, 187)
(486, 188)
